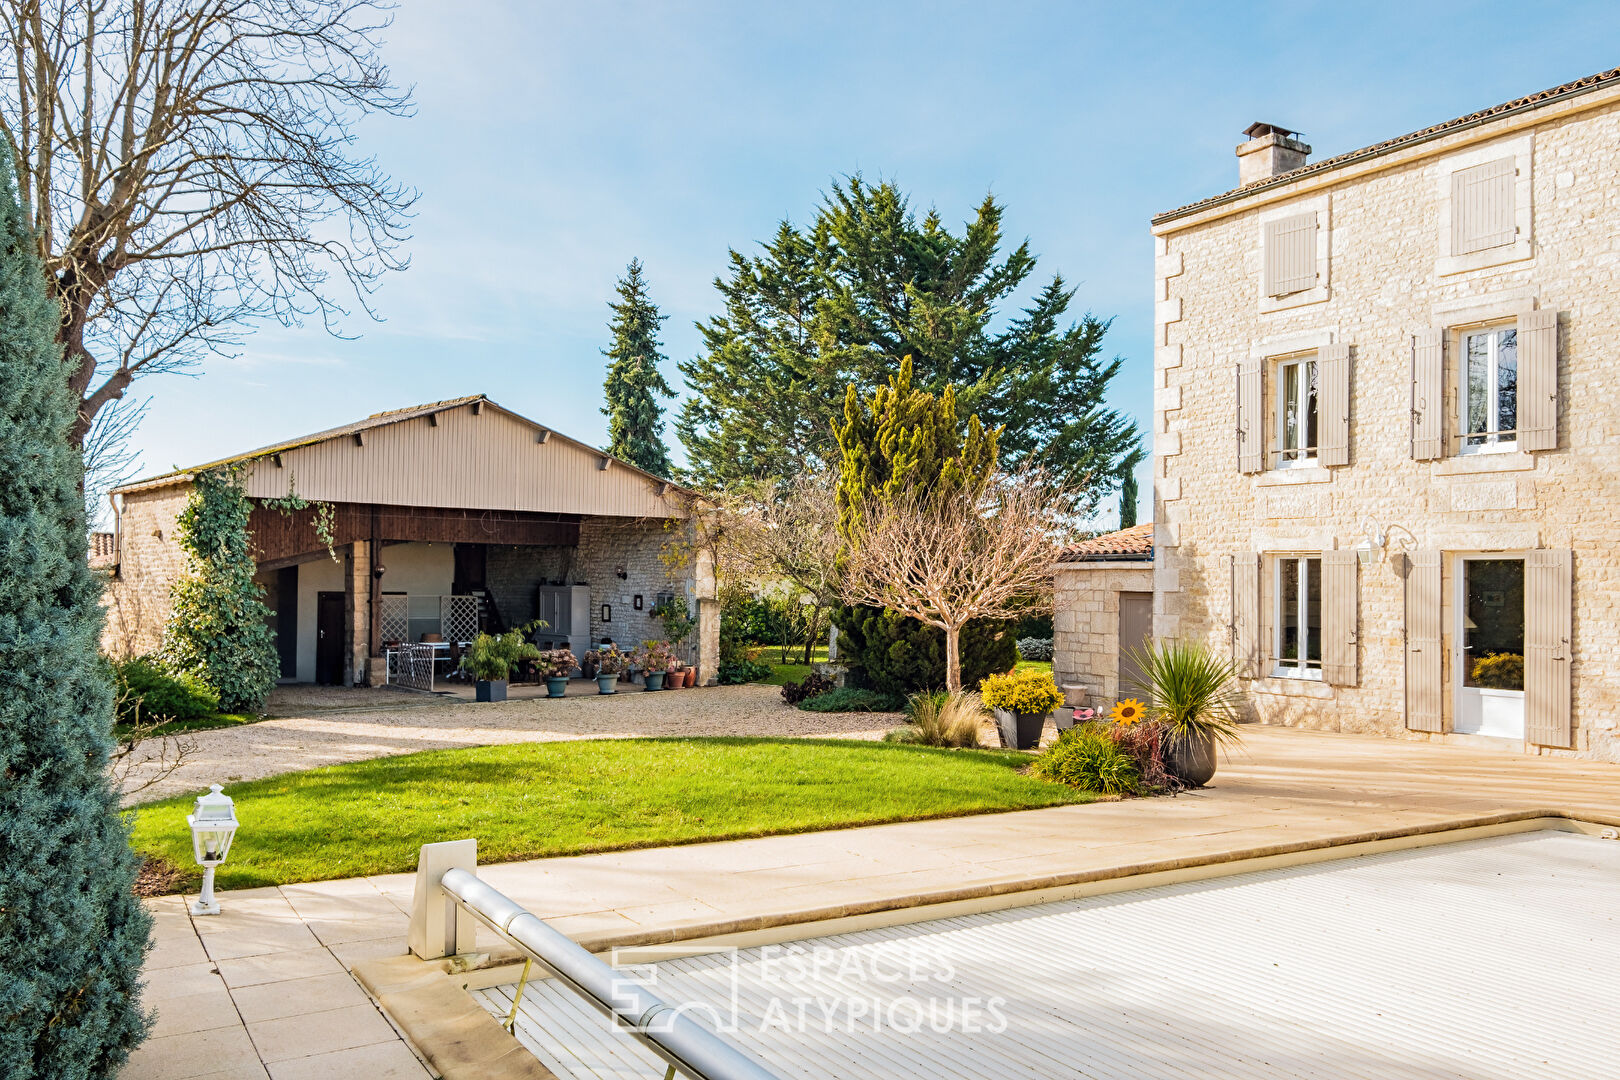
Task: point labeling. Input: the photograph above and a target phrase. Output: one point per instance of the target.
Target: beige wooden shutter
(1333, 408)
(1246, 614)
(1548, 622)
(1291, 254)
(1339, 611)
(1251, 418)
(1428, 393)
(1482, 207)
(1423, 678)
(1538, 380)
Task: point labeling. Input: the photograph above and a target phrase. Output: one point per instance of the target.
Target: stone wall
(1390, 276)
(150, 562)
(1085, 624)
(638, 547)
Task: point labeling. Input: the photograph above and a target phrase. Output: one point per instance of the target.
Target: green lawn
(539, 799)
(205, 723)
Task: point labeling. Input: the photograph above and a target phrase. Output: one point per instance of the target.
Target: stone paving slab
(264, 989)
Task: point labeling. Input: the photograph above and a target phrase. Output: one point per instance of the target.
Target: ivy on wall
(325, 514)
(220, 625)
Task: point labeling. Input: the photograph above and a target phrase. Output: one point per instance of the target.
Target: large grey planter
(1191, 762)
(489, 690)
(1020, 731)
(607, 684)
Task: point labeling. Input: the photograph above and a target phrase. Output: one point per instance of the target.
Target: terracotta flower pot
(691, 676)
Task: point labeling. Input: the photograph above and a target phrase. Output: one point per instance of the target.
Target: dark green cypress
(1128, 498)
(72, 933)
(634, 383)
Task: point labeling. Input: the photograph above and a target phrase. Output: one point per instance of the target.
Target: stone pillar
(357, 613)
(708, 614)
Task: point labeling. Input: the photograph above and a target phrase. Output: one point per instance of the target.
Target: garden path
(392, 722)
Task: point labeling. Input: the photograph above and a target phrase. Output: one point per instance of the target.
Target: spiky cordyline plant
(1192, 691)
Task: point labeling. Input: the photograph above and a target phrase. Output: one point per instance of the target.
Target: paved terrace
(263, 989)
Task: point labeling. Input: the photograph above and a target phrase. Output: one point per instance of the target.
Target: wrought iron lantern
(213, 825)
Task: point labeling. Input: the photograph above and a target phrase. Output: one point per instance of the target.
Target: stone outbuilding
(1102, 612)
(442, 520)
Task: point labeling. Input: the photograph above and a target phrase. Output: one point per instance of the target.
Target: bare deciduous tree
(792, 535)
(190, 169)
(981, 553)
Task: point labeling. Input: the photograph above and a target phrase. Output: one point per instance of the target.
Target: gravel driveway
(292, 743)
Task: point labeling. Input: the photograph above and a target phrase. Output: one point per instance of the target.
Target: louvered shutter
(1246, 614)
(1333, 407)
(1548, 605)
(1423, 679)
(1482, 207)
(1291, 254)
(1339, 612)
(1538, 380)
(1251, 423)
(1428, 393)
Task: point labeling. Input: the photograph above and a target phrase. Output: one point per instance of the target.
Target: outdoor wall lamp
(1379, 537)
(213, 825)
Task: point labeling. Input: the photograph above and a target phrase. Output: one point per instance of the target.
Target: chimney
(1269, 151)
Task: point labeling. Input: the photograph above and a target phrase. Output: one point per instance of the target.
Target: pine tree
(634, 383)
(1128, 497)
(219, 626)
(867, 283)
(902, 440)
(72, 933)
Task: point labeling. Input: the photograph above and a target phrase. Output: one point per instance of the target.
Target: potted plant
(610, 664)
(555, 666)
(1021, 701)
(673, 679)
(490, 661)
(655, 657)
(1194, 697)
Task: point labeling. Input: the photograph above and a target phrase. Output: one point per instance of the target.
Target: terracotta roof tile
(1543, 97)
(1135, 542)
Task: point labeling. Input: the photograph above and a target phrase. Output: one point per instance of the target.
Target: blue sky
(553, 142)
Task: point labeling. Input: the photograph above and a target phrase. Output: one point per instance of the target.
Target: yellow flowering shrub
(1029, 691)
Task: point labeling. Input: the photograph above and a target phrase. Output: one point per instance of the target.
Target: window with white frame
(1297, 634)
(1297, 394)
(1490, 389)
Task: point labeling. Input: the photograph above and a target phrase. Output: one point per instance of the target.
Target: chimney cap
(1259, 130)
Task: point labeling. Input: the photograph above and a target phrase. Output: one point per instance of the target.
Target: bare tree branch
(190, 169)
(985, 553)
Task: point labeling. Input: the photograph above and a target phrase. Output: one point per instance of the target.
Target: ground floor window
(1297, 642)
(1493, 623)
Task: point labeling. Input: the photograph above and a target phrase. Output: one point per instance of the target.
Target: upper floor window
(1296, 411)
(1297, 647)
(1490, 389)
(1482, 206)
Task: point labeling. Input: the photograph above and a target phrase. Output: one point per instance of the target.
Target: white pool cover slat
(1485, 960)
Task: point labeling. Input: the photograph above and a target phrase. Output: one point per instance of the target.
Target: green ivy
(220, 624)
(325, 514)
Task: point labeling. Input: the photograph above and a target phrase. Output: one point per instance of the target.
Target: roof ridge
(1582, 85)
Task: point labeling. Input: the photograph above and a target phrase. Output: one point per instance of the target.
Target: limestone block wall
(1389, 277)
(150, 562)
(1085, 624)
(637, 545)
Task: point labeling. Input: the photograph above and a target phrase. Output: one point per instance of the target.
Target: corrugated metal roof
(1530, 101)
(375, 420)
(1133, 543)
(1490, 960)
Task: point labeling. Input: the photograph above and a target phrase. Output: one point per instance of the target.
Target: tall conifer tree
(72, 933)
(1128, 497)
(634, 383)
(870, 281)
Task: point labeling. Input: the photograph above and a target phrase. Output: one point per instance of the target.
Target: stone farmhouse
(445, 519)
(1387, 432)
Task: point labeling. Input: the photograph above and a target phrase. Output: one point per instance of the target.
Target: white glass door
(1490, 646)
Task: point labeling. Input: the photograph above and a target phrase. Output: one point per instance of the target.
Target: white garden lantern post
(213, 824)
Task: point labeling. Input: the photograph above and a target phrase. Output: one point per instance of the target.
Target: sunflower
(1128, 711)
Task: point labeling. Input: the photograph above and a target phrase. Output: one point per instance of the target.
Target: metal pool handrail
(680, 1041)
